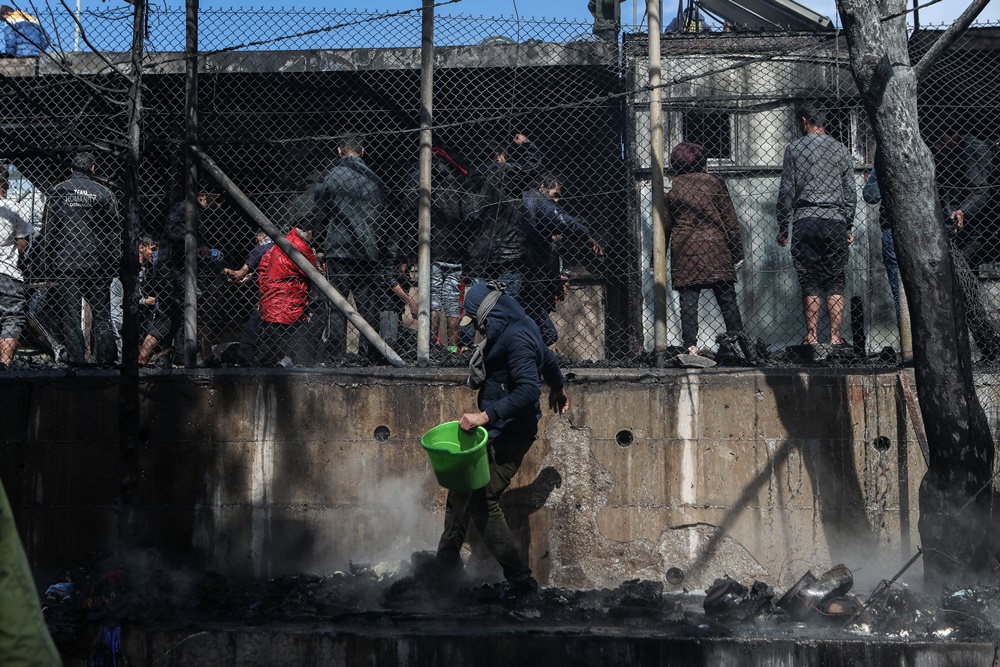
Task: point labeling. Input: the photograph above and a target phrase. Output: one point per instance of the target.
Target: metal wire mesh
(541, 178)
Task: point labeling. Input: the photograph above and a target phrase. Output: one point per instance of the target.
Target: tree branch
(86, 40)
(954, 31)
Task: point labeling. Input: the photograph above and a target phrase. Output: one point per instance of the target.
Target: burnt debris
(88, 606)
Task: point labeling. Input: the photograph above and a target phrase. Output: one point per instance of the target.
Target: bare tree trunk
(955, 493)
(128, 397)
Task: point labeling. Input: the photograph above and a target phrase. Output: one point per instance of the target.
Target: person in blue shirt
(871, 194)
(24, 36)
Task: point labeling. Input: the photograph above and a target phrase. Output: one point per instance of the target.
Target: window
(711, 129)
(850, 127)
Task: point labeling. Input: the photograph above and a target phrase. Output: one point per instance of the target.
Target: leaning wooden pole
(128, 385)
(318, 279)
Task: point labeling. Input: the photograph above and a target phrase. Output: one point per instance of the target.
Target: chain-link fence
(540, 178)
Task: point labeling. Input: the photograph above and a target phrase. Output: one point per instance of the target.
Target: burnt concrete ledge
(752, 473)
(528, 54)
(430, 644)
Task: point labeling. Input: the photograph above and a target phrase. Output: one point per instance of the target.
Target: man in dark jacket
(351, 198)
(449, 235)
(607, 18)
(493, 207)
(963, 164)
(507, 372)
(79, 250)
(545, 221)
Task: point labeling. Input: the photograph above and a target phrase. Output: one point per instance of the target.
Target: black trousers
(725, 294)
(66, 300)
(482, 508)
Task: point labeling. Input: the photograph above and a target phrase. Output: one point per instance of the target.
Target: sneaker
(524, 596)
(522, 587)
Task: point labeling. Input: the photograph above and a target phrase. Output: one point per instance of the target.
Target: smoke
(400, 520)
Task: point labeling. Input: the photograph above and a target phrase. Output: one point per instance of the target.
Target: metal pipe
(76, 28)
(424, 207)
(191, 188)
(656, 184)
(312, 273)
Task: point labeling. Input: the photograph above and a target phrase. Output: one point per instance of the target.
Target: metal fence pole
(191, 188)
(656, 184)
(424, 212)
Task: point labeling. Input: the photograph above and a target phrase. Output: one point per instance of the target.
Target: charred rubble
(87, 606)
(827, 602)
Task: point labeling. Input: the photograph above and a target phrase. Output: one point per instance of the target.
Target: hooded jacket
(515, 359)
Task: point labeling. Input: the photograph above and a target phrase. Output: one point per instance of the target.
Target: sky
(943, 11)
(108, 22)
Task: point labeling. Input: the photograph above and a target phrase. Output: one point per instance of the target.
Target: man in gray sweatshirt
(817, 197)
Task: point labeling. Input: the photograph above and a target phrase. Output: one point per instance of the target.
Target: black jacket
(352, 198)
(498, 231)
(449, 228)
(495, 205)
(82, 230)
(543, 219)
(515, 359)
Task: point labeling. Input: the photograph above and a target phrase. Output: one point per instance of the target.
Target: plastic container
(459, 459)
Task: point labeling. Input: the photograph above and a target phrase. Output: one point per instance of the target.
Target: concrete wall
(749, 473)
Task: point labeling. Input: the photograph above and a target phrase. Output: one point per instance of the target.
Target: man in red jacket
(284, 296)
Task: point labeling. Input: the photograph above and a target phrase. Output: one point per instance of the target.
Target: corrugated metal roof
(768, 14)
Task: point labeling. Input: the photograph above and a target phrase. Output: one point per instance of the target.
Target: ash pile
(828, 603)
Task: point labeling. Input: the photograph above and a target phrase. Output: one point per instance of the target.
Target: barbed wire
(306, 33)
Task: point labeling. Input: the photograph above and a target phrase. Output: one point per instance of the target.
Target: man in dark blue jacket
(544, 222)
(505, 369)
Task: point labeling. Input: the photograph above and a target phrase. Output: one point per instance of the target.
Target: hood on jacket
(505, 311)
(473, 299)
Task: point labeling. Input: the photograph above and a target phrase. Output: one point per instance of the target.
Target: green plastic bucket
(459, 459)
